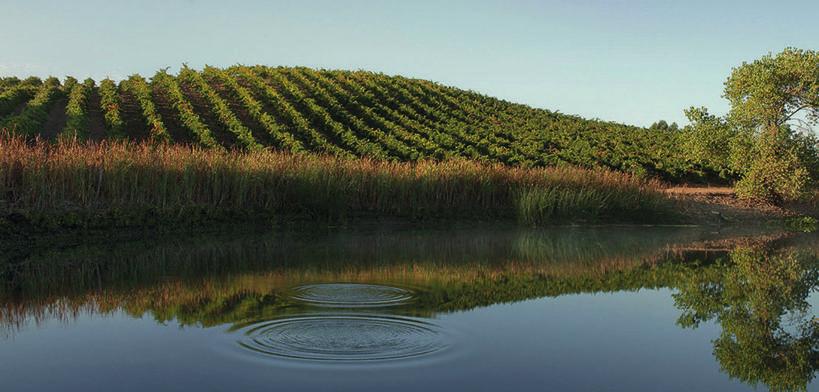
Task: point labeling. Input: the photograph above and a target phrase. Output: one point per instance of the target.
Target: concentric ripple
(344, 338)
(351, 295)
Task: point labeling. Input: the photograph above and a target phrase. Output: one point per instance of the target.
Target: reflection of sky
(627, 61)
(794, 320)
(623, 341)
(626, 340)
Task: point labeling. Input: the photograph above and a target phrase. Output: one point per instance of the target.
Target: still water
(392, 308)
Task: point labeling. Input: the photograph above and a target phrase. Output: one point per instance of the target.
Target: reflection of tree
(769, 334)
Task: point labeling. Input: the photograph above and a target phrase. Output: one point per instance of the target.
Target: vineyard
(340, 113)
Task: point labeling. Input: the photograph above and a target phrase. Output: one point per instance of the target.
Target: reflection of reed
(212, 280)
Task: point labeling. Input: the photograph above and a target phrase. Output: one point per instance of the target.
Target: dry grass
(132, 180)
(711, 190)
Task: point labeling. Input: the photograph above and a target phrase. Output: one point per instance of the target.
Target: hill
(342, 113)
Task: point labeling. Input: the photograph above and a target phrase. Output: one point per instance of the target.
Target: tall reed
(131, 182)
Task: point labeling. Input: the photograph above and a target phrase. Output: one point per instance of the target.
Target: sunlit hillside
(343, 113)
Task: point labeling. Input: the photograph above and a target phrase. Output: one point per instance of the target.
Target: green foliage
(757, 143)
(69, 84)
(141, 90)
(8, 82)
(295, 120)
(662, 125)
(765, 95)
(559, 203)
(384, 145)
(804, 224)
(16, 92)
(768, 92)
(322, 119)
(31, 119)
(187, 116)
(282, 136)
(768, 335)
(76, 110)
(219, 108)
(806, 147)
(365, 114)
(742, 151)
(710, 142)
(110, 102)
(360, 99)
(777, 172)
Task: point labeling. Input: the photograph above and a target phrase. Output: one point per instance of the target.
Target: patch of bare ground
(242, 113)
(19, 108)
(55, 122)
(170, 116)
(720, 205)
(96, 120)
(133, 120)
(274, 111)
(206, 114)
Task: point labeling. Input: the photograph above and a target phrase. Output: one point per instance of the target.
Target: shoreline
(28, 235)
(692, 208)
(71, 187)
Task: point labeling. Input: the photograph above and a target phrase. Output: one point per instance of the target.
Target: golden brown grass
(129, 181)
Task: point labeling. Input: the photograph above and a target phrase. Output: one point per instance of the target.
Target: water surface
(609, 308)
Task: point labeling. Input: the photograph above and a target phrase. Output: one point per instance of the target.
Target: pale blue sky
(627, 61)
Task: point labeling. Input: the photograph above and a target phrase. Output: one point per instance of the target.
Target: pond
(407, 308)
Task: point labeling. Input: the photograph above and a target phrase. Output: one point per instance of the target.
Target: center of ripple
(351, 295)
(344, 338)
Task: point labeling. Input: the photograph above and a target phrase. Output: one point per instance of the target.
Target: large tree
(771, 97)
(773, 91)
(767, 139)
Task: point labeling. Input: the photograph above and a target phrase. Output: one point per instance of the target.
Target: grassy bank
(124, 184)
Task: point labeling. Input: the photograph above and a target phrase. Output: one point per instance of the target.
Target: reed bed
(72, 183)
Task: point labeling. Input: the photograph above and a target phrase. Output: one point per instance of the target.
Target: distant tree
(8, 81)
(659, 125)
(710, 142)
(662, 125)
(674, 127)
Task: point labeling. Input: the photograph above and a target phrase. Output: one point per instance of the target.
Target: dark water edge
(407, 307)
(20, 227)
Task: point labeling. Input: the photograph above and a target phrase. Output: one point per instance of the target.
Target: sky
(633, 62)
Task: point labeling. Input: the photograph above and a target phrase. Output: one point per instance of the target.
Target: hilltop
(341, 113)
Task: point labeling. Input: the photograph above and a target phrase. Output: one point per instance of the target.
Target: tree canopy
(772, 90)
(766, 141)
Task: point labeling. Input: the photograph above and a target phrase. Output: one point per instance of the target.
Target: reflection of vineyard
(754, 286)
(232, 278)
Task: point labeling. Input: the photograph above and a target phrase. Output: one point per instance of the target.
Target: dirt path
(721, 205)
(168, 113)
(56, 120)
(18, 109)
(202, 109)
(132, 117)
(236, 106)
(711, 190)
(96, 120)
